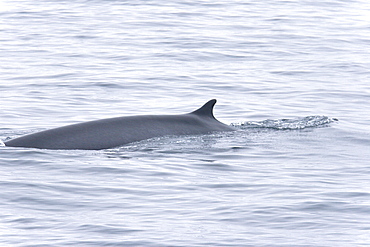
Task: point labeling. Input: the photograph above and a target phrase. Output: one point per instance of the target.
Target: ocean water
(292, 76)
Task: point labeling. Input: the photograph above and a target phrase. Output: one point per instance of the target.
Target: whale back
(113, 132)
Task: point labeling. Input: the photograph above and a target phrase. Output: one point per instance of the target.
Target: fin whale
(114, 132)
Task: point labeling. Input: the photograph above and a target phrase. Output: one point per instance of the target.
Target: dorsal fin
(206, 110)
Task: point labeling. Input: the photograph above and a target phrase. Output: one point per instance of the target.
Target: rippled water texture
(291, 76)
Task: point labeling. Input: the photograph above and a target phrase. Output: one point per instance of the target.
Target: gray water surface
(292, 76)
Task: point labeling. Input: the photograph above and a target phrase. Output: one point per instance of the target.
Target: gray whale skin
(114, 132)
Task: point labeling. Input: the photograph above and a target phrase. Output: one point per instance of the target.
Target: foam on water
(288, 124)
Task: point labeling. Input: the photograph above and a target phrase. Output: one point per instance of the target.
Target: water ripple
(288, 124)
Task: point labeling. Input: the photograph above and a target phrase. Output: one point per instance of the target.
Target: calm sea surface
(292, 76)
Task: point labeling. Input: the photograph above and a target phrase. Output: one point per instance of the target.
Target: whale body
(114, 132)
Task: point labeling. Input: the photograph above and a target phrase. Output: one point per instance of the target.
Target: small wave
(288, 124)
